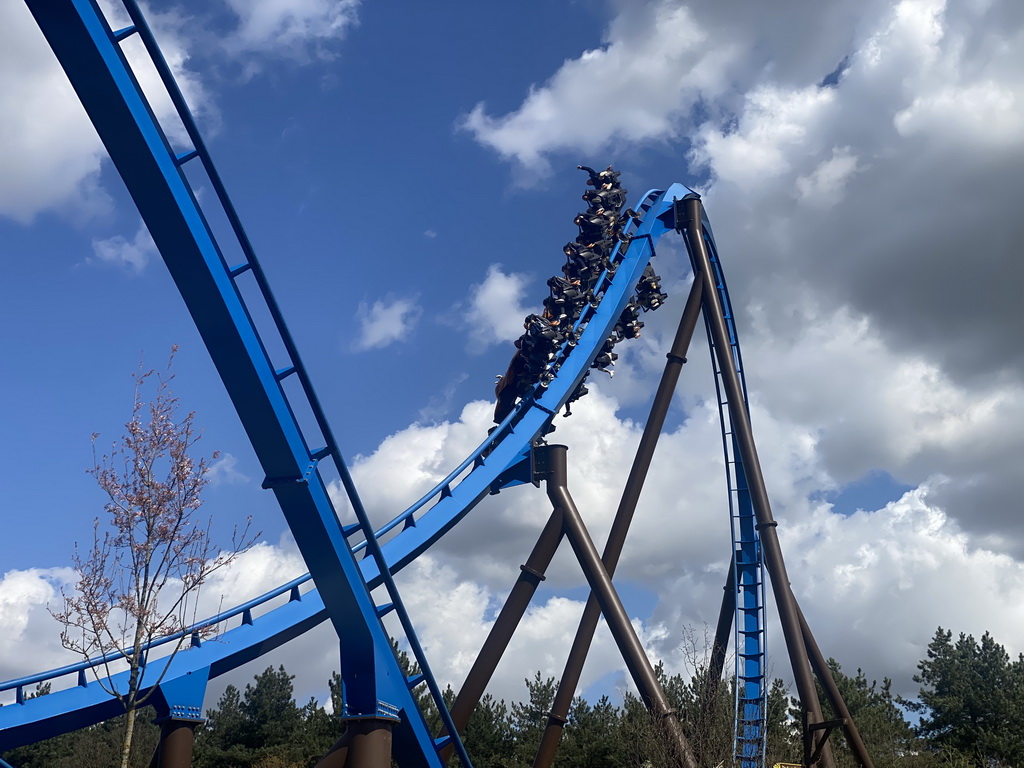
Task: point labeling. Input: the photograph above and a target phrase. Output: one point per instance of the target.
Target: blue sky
(406, 172)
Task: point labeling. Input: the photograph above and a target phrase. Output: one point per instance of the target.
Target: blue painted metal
(89, 53)
(181, 696)
(419, 526)
(151, 169)
(747, 563)
(87, 703)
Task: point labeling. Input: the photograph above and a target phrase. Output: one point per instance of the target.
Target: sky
(406, 172)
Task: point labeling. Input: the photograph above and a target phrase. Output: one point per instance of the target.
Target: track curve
(418, 526)
(89, 51)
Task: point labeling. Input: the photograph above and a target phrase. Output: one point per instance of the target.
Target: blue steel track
(296, 461)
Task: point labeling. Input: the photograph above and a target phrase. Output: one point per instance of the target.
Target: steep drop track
(269, 390)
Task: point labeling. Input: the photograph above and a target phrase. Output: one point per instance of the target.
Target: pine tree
(972, 700)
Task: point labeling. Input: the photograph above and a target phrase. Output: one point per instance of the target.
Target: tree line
(969, 712)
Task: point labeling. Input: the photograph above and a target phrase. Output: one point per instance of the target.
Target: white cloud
(31, 639)
(898, 573)
(867, 226)
(440, 405)
(863, 579)
(773, 124)
(496, 311)
(389, 320)
(869, 230)
(653, 67)
(664, 63)
(224, 471)
(823, 187)
(49, 151)
(254, 572)
(132, 255)
(290, 27)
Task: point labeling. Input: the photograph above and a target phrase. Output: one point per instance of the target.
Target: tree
(971, 700)
(782, 744)
(528, 719)
(488, 737)
(142, 576)
(268, 707)
(592, 736)
(886, 734)
(220, 741)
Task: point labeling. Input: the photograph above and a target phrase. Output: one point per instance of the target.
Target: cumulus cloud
(131, 255)
(387, 321)
(862, 579)
(654, 65)
(31, 641)
(224, 471)
(440, 405)
(285, 27)
(496, 310)
(49, 150)
(868, 226)
(663, 64)
(867, 218)
(898, 571)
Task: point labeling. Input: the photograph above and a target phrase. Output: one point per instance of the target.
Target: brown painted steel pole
(530, 576)
(177, 738)
(366, 743)
(722, 630)
(550, 464)
(693, 234)
(620, 526)
(835, 698)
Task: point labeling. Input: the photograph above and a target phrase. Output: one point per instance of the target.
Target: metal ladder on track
(292, 367)
(748, 565)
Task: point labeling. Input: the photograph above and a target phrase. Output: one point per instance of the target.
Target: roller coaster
(352, 567)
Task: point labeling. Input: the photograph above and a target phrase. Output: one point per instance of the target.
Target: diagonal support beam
(550, 462)
(689, 220)
(620, 526)
(530, 576)
(833, 695)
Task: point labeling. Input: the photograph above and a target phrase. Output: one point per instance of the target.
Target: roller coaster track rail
(296, 447)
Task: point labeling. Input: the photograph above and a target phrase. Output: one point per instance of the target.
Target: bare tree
(150, 555)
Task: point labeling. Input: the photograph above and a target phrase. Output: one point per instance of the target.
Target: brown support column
(371, 744)
(835, 698)
(722, 630)
(620, 526)
(551, 466)
(689, 213)
(177, 737)
(366, 743)
(531, 574)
